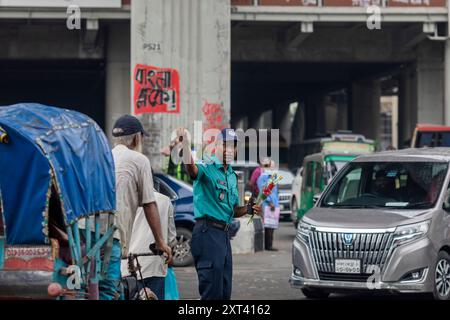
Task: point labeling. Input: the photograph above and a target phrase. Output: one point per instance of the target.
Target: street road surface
(265, 275)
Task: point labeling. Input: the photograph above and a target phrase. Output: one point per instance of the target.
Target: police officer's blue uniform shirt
(215, 191)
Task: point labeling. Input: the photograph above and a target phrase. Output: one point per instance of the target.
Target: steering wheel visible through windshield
(387, 184)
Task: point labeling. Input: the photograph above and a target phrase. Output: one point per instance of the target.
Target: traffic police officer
(215, 205)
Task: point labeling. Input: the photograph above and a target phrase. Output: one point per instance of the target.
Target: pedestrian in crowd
(270, 206)
(134, 189)
(252, 183)
(216, 203)
(153, 268)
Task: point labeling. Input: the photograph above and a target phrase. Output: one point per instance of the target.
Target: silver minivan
(382, 224)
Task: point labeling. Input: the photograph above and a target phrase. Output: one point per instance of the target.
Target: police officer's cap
(227, 134)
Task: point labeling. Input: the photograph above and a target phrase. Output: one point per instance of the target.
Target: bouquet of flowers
(266, 190)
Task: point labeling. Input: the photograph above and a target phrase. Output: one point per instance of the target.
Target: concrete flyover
(306, 51)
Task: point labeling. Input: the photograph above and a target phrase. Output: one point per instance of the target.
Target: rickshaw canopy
(45, 145)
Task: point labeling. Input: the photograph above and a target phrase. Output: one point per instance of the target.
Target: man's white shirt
(134, 188)
(142, 237)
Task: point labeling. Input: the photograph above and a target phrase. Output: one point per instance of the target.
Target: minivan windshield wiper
(418, 205)
(355, 206)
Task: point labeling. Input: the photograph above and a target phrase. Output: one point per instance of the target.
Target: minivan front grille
(284, 197)
(331, 276)
(372, 249)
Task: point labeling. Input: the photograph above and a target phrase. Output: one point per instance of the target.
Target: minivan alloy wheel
(443, 277)
(181, 249)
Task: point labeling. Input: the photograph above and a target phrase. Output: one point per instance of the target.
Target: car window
(308, 173)
(434, 139)
(163, 188)
(350, 185)
(388, 184)
(318, 172)
(445, 140)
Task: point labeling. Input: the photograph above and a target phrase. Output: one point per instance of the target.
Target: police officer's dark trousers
(211, 249)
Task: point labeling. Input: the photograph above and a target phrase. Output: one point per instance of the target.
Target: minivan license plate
(347, 266)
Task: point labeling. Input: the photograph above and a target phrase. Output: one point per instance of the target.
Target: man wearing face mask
(215, 205)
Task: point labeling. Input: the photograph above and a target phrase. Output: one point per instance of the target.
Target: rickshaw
(320, 168)
(56, 168)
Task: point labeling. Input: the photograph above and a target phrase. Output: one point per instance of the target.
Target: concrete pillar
(282, 121)
(118, 77)
(447, 83)
(407, 106)
(193, 39)
(430, 82)
(342, 110)
(262, 120)
(366, 107)
(297, 136)
(312, 113)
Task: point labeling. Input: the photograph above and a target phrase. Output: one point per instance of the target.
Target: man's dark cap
(126, 125)
(227, 134)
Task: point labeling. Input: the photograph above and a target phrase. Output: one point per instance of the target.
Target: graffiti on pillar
(214, 116)
(156, 90)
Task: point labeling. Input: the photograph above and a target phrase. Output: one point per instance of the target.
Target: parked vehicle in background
(181, 195)
(295, 191)
(246, 168)
(320, 168)
(285, 193)
(429, 135)
(316, 145)
(382, 224)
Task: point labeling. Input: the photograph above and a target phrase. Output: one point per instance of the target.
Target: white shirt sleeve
(145, 183)
(172, 235)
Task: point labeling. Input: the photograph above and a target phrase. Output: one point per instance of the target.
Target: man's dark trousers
(211, 249)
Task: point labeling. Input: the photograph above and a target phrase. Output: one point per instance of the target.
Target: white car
(296, 191)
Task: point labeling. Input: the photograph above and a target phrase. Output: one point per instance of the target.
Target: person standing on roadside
(216, 203)
(270, 205)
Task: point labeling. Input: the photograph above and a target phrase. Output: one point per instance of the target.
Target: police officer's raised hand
(184, 138)
(182, 135)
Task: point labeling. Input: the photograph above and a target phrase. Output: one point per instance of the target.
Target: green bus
(320, 168)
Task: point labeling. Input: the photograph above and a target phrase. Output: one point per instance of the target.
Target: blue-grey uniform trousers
(211, 250)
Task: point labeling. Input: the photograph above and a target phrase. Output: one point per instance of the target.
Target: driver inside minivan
(384, 185)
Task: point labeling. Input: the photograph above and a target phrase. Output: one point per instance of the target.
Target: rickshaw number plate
(26, 253)
(347, 266)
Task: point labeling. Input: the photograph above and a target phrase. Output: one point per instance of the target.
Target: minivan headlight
(410, 232)
(303, 231)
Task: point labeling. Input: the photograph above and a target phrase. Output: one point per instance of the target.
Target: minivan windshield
(400, 185)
